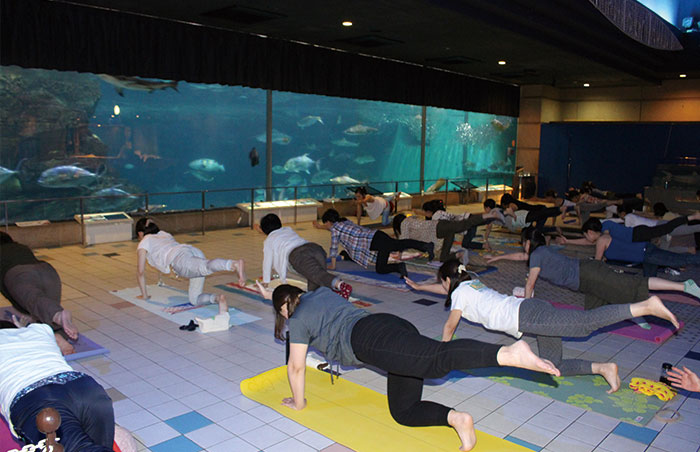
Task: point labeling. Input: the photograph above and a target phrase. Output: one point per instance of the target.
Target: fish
(299, 164)
(359, 129)
(364, 159)
(113, 191)
(277, 137)
(121, 82)
(345, 143)
(309, 121)
(321, 177)
(146, 157)
(278, 169)
(201, 175)
(207, 165)
(68, 176)
(345, 179)
(295, 179)
(5, 173)
(128, 166)
(436, 186)
(254, 157)
(498, 125)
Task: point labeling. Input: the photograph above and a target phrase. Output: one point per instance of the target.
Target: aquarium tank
(73, 142)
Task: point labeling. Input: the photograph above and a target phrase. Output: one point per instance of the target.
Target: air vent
(453, 60)
(243, 15)
(369, 41)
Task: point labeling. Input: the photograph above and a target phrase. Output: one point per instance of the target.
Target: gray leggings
(35, 289)
(550, 324)
(309, 260)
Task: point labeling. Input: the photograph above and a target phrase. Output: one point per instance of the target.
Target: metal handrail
(203, 193)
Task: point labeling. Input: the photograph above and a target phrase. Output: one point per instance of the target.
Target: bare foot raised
(65, 346)
(610, 373)
(654, 306)
(463, 423)
(223, 304)
(520, 355)
(240, 268)
(65, 319)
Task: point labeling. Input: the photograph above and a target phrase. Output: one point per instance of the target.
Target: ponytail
(457, 273)
(536, 239)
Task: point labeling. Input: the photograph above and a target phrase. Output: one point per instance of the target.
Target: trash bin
(528, 185)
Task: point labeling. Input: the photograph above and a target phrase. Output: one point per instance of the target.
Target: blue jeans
(394, 345)
(87, 416)
(654, 256)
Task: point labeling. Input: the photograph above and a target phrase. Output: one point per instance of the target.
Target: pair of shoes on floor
(344, 290)
(190, 326)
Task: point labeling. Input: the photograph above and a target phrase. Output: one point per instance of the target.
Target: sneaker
(344, 290)
(672, 271)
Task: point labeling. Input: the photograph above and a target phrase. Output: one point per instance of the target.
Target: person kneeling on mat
(352, 337)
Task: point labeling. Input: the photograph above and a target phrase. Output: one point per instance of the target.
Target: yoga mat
(173, 304)
(357, 417)
(351, 271)
(7, 441)
(660, 330)
(84, 346)
(583, 391)
(251, 290)
(675, 296)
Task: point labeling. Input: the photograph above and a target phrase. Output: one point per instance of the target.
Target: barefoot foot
(520, 355)
(65, 319)
(463, 424)
(609, 372)
(223, 304)
(65, 346)
(656, 307)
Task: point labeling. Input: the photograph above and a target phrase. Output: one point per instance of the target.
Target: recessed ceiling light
(586, 85)
(347, 23)
(682, 76)
(502, 62)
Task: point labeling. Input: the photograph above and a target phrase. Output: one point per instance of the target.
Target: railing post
(396, 186)
(486, 195)
(204, 206)
(447, 191)
(145, 208)
(295, 204)
(252, 207)
(82, 223)
(333, 192)
(7, 220)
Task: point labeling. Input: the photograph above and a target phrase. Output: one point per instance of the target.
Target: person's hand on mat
(685, 379)
(289, 403)
(143, 297)
(266, 294)
(412, 284)
(560, 240)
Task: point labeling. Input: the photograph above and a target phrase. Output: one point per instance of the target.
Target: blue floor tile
(188, 422)
(177, 444)
(520, 442)
(642, 434)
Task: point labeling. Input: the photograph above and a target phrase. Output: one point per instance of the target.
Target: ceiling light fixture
(586, 85)
(502, 62)
(682, 76)
(347, 23)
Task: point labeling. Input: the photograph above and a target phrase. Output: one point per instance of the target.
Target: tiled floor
(179, 391)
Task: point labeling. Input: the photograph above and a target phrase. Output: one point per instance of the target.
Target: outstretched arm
(451, 325)
(141, 273)
(434, 288)
(507, 257)
(296, 373)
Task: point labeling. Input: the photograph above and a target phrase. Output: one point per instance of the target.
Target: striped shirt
(356, 241)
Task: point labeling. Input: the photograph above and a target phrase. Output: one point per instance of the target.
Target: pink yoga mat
(657, 334)
(678, 297)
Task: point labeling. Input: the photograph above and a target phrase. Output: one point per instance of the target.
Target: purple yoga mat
(675, 296)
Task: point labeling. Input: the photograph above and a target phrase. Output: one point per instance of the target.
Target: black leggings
(539, 216)
(384, 245)
(395, 346)
(446, 229)
(646, 233)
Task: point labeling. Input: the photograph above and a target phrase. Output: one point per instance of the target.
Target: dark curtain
(52, 35)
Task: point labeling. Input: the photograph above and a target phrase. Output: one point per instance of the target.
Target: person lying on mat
(367, 246)
(353, 337)
(599, 283)
(471, 299)
(684, 379)
(34, 375)
(617, 242)
(34, 287)
(162, 251)
(283, 246)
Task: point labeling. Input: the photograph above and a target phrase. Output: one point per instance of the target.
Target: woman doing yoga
(351, 336)
(475, 302)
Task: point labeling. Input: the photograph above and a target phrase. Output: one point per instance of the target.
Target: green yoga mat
(583, 391)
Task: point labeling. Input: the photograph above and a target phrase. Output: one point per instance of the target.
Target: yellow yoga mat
(357, 417)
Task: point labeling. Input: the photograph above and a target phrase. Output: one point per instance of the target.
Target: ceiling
(563, 43)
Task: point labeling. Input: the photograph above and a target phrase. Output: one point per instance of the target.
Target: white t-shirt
(632, 220)
(162, 249)
(492, 309)
(27, 355)
(517, 223)
(442, 215)
(278, 244)
(376, 208)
